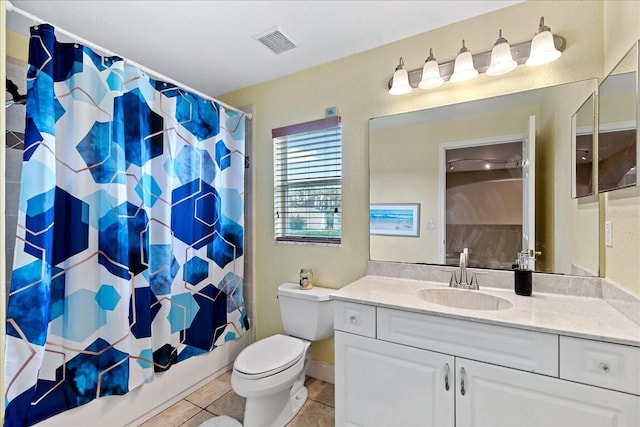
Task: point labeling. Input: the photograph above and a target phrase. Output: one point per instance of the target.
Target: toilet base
(276, 410)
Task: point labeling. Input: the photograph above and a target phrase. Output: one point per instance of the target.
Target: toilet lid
(269, 356)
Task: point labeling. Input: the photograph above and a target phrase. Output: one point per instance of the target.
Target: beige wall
(356, 85)
(617, 107)
(569, 246)
(622, 207)
(623, 259)
(17, 46)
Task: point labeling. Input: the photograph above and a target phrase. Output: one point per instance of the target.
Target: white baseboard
(322, 371)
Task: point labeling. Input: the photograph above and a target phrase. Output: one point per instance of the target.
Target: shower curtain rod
(11, 8)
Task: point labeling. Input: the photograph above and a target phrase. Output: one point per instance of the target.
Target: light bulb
(400, 84)
(430, 73)
(543, 48)
(463, 68)
(501, 59)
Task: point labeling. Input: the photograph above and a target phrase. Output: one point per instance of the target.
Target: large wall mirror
(618, 125)
(462, 166)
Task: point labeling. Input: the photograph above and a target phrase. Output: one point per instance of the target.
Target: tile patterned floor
(217, 398)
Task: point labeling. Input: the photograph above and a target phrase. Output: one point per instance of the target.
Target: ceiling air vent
(276, 39)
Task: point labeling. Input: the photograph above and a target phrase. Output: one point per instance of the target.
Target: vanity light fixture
(470, 164)
(430, 73)
(543, 49)
(463, 68)
(503, 58)
(400, 80)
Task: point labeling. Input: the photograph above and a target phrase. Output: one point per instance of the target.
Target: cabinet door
(496, 396)
(385, 384)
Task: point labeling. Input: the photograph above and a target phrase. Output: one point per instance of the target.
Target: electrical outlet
(608, 234)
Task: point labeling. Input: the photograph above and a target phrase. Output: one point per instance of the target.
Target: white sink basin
(461, 298)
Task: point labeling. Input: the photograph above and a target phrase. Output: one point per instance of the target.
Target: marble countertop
(577, 316)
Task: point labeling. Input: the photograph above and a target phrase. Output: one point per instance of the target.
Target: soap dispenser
(523, 275)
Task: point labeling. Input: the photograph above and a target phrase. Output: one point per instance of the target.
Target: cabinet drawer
(602, 364)
(355, 318)
(515, 348)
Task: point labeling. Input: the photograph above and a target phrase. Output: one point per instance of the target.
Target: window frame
(281, 183)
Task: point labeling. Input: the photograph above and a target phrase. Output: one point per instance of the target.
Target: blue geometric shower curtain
(129, 254)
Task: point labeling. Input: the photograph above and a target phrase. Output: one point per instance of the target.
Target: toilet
(270, 373)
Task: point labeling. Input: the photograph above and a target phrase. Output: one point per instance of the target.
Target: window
(308, 181)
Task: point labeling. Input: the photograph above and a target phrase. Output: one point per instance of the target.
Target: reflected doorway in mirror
(483, 194)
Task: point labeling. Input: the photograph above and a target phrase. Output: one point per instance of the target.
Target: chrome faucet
(462, 278)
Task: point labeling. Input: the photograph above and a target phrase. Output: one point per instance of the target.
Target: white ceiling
(209, 45)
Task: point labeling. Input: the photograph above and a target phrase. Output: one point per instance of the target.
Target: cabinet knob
(353, 319)
(604, 367)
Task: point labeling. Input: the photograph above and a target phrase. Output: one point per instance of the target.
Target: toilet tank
(306, 314)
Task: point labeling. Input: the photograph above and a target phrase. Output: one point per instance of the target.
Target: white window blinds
(308, 181)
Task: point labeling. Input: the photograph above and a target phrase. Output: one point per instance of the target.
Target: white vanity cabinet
(416, 369)
(498, 396)
(384, 384)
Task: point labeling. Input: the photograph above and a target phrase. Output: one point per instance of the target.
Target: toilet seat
(269, 356)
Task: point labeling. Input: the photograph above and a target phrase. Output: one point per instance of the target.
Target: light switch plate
(608, 234)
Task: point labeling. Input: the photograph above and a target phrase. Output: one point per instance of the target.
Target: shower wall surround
(15, 119)
(13, 168)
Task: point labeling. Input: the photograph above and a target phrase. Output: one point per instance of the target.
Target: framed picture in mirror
(402, 219)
